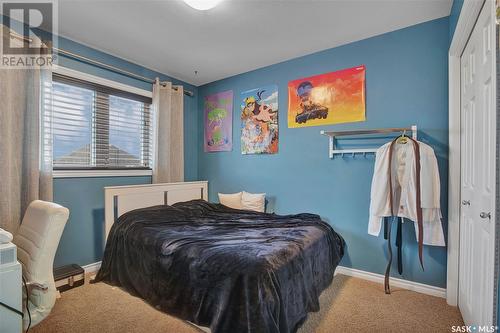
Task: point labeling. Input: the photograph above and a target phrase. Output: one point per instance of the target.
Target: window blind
(98, 127)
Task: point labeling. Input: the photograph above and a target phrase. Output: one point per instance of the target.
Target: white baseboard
(92, 268)
(395, 282)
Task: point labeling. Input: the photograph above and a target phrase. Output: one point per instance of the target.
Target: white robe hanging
(403, 175)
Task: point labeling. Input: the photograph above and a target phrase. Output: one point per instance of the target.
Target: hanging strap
(416, 149)
(399, 245)
(385, 227)
(389, 263)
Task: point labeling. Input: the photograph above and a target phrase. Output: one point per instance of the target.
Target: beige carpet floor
(348, 305)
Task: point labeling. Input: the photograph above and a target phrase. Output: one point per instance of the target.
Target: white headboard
(122, 199)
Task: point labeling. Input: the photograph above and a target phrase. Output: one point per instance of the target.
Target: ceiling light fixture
(202, 4)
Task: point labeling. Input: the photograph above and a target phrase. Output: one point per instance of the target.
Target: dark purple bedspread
(231, 270)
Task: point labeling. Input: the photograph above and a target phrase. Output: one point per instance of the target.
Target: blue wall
(407, 83)
(83, 237)
(456, 8)
(82, 240)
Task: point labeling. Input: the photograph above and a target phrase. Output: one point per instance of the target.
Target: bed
(226, 269)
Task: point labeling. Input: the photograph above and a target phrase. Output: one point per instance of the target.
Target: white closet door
(478, 139)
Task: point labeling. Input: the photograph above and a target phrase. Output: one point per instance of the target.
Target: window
(97, 127)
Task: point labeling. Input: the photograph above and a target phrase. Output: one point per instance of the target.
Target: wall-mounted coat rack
(334, 134)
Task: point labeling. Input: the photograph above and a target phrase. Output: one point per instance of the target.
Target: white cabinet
(10, 290)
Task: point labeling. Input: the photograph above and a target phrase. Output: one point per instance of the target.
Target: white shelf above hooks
(332, 135)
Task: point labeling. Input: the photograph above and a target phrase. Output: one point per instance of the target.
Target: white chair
(37, 240)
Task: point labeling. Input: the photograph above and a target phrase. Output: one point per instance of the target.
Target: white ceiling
(235, 37)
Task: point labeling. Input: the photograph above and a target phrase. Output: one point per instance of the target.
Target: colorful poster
(259, 120)
(218, 111)
(325, 99)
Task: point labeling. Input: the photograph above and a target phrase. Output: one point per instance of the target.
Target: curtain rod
(100, 64)
(112, 68)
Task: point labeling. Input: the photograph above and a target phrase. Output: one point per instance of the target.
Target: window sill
(99, 173)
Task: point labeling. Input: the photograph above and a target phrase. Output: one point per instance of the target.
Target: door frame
(467, 19)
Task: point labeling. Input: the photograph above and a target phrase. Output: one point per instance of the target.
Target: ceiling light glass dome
(202, 4)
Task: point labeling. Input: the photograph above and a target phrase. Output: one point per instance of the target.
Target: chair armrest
(36, 285)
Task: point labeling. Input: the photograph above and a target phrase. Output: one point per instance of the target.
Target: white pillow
(251, 201)
(232, 200)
